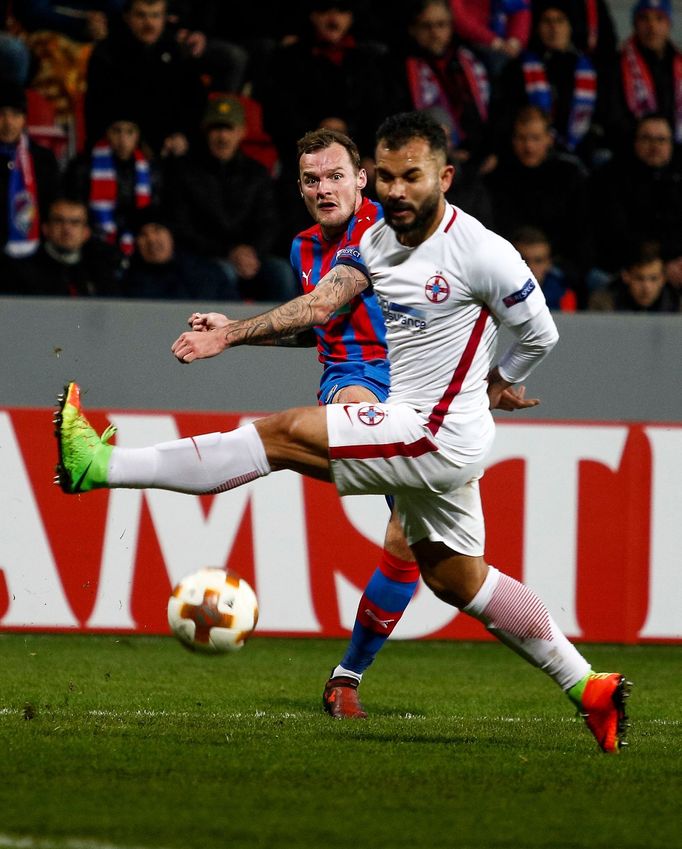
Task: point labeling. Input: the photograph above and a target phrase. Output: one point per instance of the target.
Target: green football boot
(83, 453)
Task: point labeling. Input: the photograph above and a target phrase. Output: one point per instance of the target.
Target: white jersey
(442, 302)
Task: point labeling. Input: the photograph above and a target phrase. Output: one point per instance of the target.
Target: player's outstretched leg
(209, 463)
(381, 607)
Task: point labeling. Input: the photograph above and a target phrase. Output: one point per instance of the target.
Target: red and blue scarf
(23, 218)
(426, 89)
(640, 93)
(104, 193)
(539, 93)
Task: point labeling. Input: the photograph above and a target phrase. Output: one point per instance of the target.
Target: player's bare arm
(202, 322)
(337, 288)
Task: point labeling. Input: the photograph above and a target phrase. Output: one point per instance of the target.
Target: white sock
(514, 614)
(340, 671)
(213, 462)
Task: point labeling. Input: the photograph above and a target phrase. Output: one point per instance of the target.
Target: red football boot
(602, 706)
(340, 698)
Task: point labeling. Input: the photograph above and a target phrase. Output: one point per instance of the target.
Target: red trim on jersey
(440, 410)
(451, 221)
(387, 450)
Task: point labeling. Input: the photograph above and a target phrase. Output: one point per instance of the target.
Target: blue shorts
(372, 374)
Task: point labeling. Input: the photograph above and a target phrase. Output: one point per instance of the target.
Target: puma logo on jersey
(306, 275)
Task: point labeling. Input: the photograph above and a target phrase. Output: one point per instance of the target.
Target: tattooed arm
(213, 333)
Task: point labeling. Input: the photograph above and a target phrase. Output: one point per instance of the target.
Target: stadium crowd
(147, 147)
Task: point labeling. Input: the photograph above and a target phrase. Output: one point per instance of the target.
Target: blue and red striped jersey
(356, 332)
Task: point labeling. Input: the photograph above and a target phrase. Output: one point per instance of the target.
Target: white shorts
(385, 448)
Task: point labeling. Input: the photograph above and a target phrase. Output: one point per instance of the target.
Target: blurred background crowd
(148, 147)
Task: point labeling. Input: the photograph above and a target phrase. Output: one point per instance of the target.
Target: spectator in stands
(534, 185)
(638, 197)
(438, 71)
(60, 36)
(28, 177)
(221, 62)
(594, 32)
(158, 269)
(642, 286)
(499, 29)
(467, 190)
(15, 57)
(223, 207)
(117, 179)
(559, 79)
(651, 66)
(69, 262)
(535, 248)
(143, 66)
(326, 74)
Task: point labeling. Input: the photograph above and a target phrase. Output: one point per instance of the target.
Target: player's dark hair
(323, 138)
(397, 130)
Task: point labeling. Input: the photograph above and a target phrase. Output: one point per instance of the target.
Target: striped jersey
(356, 332)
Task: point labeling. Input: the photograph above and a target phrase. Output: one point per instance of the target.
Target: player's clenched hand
(198, 345)
(513, 398)
(201, 321)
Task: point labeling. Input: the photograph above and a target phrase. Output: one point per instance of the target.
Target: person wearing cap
(117, 178)
(651, 67)
(28, 177)
(223, 207)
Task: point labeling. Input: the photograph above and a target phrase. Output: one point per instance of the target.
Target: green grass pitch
(134, 742)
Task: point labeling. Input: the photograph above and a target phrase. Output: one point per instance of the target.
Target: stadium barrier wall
(586, 508)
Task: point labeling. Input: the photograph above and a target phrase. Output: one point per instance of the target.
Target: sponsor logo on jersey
(349, 253)
(521, 295)
(405, 316)
(370, 415)
(437, 289)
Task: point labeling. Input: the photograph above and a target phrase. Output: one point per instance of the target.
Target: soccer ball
(213, 610)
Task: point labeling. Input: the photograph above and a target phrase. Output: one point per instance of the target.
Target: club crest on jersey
(521, 295)
(437, 289)
(369, 415)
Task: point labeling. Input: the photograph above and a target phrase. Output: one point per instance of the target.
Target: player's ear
(447, 173)
(300, 187)
(362, 178)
